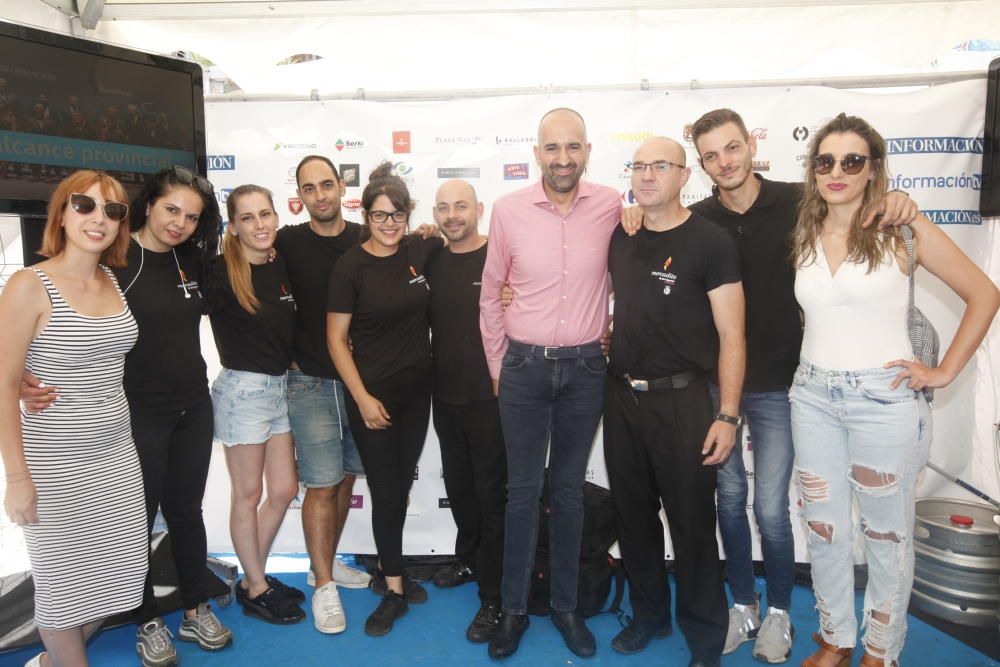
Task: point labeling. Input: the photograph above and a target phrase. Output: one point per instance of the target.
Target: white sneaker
(774, 639)
(328, 613)
(349, 577)
(744, 621)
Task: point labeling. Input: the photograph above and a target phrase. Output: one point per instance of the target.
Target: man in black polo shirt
(466, 416)
(760, 214)
(678, 316)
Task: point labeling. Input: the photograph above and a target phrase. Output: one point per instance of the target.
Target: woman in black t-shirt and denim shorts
(377, 303)
(253, 318)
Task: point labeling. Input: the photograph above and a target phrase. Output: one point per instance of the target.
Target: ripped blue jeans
(854, 437)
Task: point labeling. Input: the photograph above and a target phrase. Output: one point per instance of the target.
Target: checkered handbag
(923, 338)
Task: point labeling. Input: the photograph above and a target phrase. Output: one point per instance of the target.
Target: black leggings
(174, 449)
(390, 455)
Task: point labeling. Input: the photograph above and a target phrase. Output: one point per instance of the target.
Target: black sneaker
(273, 607)
(415, 593)
(454, 574)
(485, 623)
(290, 592)
(635, 637)
(392, 606)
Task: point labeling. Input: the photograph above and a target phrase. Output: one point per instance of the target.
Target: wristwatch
(729, 419)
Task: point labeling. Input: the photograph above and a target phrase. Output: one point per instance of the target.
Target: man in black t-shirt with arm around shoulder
(466, 416)
(326, 454)
(678, 316)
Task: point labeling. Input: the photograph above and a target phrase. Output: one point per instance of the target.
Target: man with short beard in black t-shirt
(678, 315)
(466, 415)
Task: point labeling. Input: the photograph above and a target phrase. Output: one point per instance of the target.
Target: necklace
(142, 259)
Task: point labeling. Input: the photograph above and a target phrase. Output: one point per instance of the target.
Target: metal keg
(957, 566)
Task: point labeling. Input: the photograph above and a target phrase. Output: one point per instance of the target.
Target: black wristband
(735, 421)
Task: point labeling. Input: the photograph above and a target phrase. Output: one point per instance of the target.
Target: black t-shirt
(460, 372)
(261, 342)
(388, 299)
(165, 369)
(309, 258)
(773, 324)
(663, 322)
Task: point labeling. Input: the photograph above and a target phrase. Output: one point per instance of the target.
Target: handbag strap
(911, 265)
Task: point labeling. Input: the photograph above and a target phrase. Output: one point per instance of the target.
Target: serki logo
(339, 145)
(295, 205)
(666, 264)
(351, 204)
(401, 141)
(759, 133)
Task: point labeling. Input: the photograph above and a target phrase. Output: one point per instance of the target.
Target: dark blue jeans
(542, 396)
(768, 416)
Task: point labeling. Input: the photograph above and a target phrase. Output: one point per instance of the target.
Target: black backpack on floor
(598, 569)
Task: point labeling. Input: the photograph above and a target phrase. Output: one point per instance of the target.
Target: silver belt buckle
(637, 385)
(546, 351)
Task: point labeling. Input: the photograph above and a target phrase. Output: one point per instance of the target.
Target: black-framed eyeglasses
(658, 167)
(188, 177)
(84, 204)
(850, 164)
(381, 216)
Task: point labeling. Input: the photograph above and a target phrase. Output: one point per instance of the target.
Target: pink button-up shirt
(557, 266)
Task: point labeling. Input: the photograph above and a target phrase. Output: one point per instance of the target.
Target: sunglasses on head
(850, 164)
(85, 204)
(188, 177)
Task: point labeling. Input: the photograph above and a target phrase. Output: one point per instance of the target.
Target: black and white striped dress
(89, 551)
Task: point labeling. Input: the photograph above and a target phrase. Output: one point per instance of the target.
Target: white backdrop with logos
(935, 139)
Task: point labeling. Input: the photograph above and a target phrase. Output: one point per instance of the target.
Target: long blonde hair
(869, 246)
(237, 264)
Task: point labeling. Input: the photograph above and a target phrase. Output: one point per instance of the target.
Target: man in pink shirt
(550, 242)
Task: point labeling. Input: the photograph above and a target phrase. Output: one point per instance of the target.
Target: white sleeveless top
(853, 320)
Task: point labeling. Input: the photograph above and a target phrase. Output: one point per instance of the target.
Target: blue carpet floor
(434, 634)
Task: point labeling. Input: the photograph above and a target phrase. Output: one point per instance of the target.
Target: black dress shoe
(485, 623)
(508, 635)
(636, 637)
(454, 574)
(414, 592)
(578, 637)
(392, 606)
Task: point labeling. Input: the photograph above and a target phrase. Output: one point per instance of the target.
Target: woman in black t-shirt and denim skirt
(253, 318)
(378, 302)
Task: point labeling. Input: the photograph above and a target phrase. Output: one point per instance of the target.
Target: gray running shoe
(206, 629)
(744, 621)
(774, 639)
(152, 643)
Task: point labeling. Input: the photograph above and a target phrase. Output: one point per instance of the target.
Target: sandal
(844, 654)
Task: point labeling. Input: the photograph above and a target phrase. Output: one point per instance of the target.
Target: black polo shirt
(773, 323)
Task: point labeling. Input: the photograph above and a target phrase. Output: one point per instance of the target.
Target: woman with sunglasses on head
(860, 420)
(377, 303)
(73, 480)
(175, 222)
(253, 319)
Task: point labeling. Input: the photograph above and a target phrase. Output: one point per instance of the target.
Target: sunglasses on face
(850, 164)
(382, 216)
(188, 177)
(85, 204)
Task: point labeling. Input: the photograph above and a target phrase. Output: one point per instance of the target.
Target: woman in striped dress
(73, 477)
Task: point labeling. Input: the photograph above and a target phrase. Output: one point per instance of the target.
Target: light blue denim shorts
(249, 407)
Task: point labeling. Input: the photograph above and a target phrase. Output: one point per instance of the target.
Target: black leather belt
(678, 381)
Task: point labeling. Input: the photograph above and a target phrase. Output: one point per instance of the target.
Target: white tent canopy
(371, 48)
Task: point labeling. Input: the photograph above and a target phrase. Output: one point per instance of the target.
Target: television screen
(68, 104)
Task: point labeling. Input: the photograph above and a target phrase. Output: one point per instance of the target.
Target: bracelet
(11, 479)
(728, 419)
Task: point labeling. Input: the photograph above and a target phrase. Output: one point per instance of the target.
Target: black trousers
(390, 455)
(652, 449)
(474, 459)
(174, 449)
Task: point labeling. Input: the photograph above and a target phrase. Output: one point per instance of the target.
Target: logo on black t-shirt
(285, 294)
(664, 276)
(418, 279)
